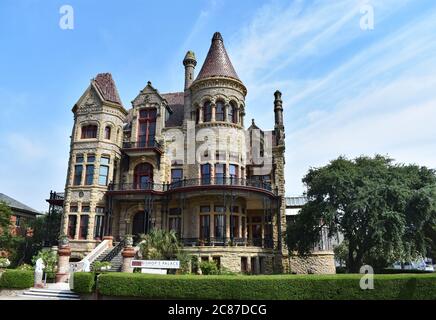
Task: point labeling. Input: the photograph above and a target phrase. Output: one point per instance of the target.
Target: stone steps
(49, 294)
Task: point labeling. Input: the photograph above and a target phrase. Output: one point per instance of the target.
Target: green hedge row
(276, 287)
(16, 279)
(83, 282)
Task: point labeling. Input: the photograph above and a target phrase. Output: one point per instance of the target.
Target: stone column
(110, 239)
(213, 106)
(128, 254)
(200, 115)
(64, 253)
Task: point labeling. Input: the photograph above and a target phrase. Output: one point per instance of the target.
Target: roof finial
(217, 36)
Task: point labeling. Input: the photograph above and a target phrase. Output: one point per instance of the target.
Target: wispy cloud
(347, 91)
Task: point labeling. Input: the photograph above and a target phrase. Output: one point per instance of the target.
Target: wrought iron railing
(114, 252)
(141, 144)
(227, 241)
(215, 181)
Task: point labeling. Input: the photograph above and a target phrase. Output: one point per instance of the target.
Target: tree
(9, 241)
(160, 244)
(382, 209)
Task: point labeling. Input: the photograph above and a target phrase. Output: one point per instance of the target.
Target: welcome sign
(156, 264)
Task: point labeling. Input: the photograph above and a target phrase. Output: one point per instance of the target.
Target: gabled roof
(176, 104)
(15, 204)
(107, 88)
(217, 63)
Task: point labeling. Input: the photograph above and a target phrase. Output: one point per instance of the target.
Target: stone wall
(316, 263)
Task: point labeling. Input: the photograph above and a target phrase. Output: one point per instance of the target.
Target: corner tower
(95, 153)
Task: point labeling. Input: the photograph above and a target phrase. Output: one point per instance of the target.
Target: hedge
(274, 287)
(16, 279)
(83, 282)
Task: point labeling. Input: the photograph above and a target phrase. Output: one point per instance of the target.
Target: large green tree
(9, 241)
(384, 210)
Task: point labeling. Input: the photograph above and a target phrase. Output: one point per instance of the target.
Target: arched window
(207, 112)
(232, 113)
(107, 133)
(197, 115)
(89, 131)
(143, 176)
(219, 113)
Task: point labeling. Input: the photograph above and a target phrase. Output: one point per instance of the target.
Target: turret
(189, 62)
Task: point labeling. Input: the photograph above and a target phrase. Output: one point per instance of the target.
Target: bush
(16, 279)
(25, 266)
(83, 282)
(282, 287)
(209, 268)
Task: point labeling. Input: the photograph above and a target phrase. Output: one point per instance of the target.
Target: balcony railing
(225, 241)
(142, 145)
(198, 182)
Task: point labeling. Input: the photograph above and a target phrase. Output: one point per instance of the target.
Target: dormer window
(89, 132)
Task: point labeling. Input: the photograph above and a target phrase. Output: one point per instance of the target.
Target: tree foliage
(382, 209)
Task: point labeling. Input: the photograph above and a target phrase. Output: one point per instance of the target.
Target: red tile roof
(217, 63)
(106, 86)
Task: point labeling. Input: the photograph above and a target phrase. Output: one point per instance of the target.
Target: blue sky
(346, 91)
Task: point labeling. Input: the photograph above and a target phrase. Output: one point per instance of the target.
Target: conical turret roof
(217, 63)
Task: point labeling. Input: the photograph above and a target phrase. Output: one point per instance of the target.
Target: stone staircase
(52, 292)
(116, 261)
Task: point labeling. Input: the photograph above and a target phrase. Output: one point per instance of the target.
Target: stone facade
(179, 161)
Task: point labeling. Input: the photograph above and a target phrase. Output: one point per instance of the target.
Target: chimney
(279, 128)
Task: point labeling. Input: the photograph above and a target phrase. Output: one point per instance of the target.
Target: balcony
(225, 241)
(142, 147)
(199, 183)
(56, 198)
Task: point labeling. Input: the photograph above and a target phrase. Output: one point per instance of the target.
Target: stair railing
(78, 266)
(114, 252)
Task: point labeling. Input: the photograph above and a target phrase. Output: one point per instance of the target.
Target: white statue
(86, 265)
(39, 266)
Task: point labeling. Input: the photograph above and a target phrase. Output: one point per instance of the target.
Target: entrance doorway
(140, 224)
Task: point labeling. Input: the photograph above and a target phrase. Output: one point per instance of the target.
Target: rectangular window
(98, 227)
(204, 227)
(72, 220)
(91, 158)
(244, 264)
(175, 211)
(244, 227)
(17, 221)
(234, 226)
(217, 261)
(176, 175)
(79, 158)
(220, 226)
(205, 173)
(103, 175)
(89, 132)
(99, 210)
(89, 174)
(83, 230)
(85, 208)
(78, 175)
(233, 172)
(204, 209)
(73, 209)
(220, 209)
(235, 209)
(220, 171)
(175, 224)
